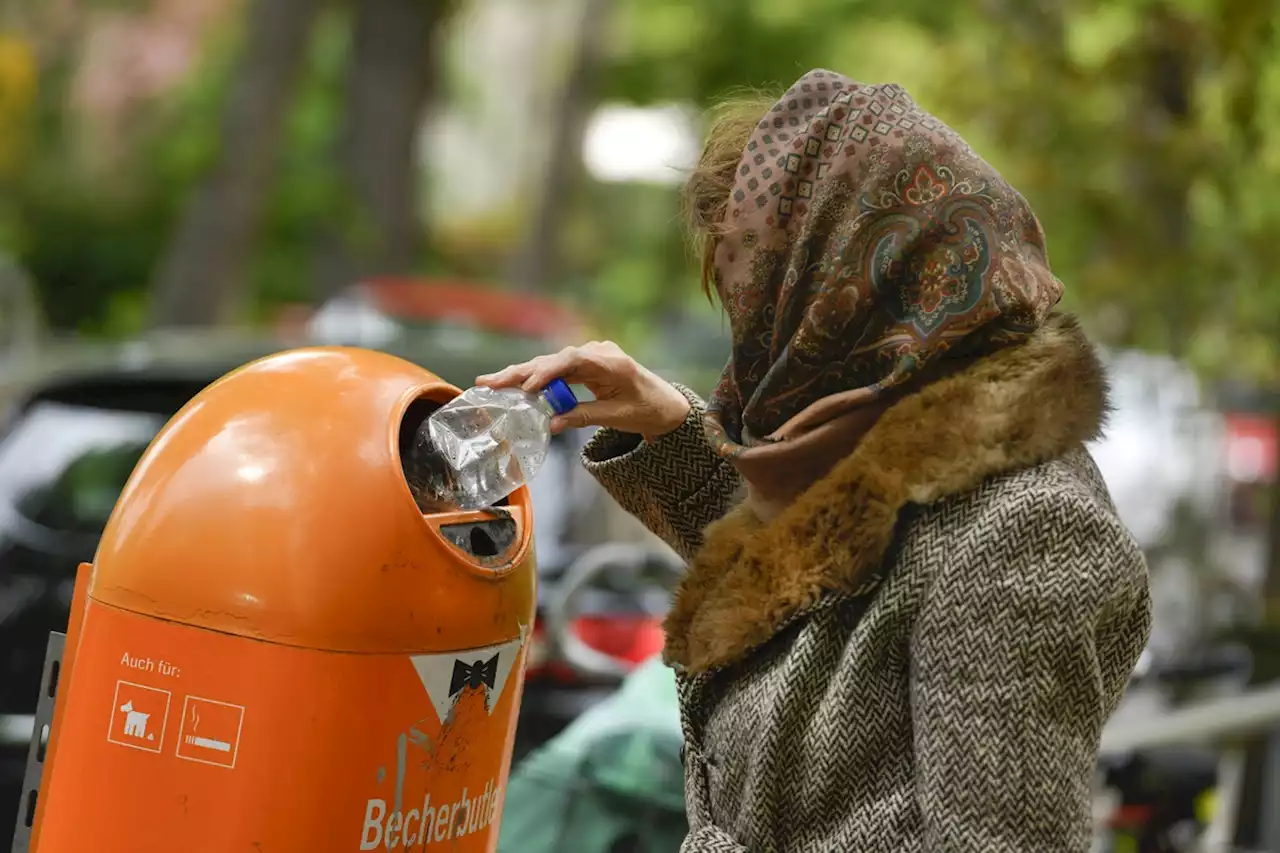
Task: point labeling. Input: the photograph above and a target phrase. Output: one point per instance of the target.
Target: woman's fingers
(628, 397)
(516, 374)
(582, 365)
(533, 375)
(567, 365)
(588, 365)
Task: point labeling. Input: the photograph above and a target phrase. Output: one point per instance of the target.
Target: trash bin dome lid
(273, 505)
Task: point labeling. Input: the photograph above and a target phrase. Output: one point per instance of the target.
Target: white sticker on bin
(446, 675)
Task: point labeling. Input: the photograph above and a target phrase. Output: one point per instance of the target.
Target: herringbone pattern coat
(920, 654)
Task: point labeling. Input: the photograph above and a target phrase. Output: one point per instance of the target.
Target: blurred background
(189, 184)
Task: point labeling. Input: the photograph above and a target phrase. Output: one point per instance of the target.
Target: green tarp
(609, 783)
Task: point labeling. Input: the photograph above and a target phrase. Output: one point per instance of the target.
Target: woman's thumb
(605, 413)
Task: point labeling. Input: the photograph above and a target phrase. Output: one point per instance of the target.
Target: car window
(63, 466)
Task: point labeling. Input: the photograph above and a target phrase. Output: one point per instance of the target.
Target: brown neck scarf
(867, 251)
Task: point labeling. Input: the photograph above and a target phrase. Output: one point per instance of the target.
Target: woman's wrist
(671, 410)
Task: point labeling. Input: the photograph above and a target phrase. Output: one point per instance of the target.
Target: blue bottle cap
(560, 396)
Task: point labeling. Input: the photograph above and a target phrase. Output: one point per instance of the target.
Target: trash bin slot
(488, 540)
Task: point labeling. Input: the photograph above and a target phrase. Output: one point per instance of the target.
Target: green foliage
(91, 243)
(1142, 131)
(85, 256)
(1146, 134)
(89, 237)
(308, 194)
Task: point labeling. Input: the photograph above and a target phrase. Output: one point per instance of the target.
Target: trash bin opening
(422, 470)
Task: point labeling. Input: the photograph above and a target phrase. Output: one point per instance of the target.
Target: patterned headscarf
(864, 242)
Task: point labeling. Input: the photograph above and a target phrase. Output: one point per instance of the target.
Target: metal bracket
(39, 741)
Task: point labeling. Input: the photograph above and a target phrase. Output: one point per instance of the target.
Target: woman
(910, 606)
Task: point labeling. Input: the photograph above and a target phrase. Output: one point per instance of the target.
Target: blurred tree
(537, 261)
(1138, 129)
(20, 321)
(201, 276)
(40, 50)
(92, 237)
(1141, 130)
(17, 96)
(391, 73)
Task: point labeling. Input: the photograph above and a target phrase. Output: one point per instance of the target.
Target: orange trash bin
(276, 651)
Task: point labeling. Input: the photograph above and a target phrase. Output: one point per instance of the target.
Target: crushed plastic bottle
(482, 446)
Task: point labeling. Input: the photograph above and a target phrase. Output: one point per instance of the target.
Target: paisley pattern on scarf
(866, 241)
(949, 273)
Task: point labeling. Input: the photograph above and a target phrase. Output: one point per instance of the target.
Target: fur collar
(1008, 411)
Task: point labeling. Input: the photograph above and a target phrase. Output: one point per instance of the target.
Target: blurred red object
(473, 304)
(1251, 444)
(631, 638)
(1130, 818)
(628, 638)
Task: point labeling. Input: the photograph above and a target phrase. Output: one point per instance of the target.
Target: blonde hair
(706, 194)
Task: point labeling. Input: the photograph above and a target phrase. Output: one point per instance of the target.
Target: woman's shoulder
(1072, 479)
(1053, 518)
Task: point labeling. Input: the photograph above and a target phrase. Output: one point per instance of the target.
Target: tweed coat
(921, 652)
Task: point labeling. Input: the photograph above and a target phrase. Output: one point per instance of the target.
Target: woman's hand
(628, 397)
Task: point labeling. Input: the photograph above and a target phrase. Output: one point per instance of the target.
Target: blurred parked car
(404, 314)
(71, 438)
